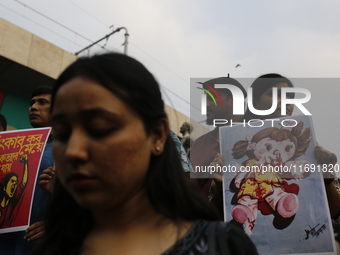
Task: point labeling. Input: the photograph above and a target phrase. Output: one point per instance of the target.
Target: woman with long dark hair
(121, 188)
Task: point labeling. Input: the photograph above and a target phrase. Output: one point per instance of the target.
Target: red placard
(20, 156)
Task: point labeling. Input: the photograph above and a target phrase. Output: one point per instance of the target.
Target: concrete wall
(31, 51)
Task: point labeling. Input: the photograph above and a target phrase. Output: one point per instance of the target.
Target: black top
(212, 238)
(207, 237)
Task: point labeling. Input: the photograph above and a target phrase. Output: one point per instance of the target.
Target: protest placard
(20, 156)
(273, 186)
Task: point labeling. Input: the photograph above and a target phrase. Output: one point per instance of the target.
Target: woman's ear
(159, 136)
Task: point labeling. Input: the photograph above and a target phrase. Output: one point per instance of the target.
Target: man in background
(206, 149)
(186, 141)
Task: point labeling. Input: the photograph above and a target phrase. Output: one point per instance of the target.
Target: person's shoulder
(206, 135)
(203, 138)
(174, 137)
(212, 237)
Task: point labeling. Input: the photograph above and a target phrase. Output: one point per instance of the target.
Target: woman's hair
(261, 85)
(67, 224)
(300, 138)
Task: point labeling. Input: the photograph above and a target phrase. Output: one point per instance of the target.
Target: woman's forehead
(86, 94)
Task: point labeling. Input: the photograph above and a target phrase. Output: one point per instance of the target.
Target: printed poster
(20, 156)
(273, 186)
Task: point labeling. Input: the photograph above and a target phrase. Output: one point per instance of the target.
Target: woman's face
(101, 150)
(266, 99)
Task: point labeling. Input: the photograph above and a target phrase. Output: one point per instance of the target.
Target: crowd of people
(117, 180)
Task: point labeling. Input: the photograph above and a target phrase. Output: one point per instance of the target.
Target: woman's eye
(100, 133)
(61, 132)
(61, 137)
(268, 147)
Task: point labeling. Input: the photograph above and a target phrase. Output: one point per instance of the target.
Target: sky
(178, 40)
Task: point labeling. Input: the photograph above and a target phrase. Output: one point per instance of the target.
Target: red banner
(20, 156)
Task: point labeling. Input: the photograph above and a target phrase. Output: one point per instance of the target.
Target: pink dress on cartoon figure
(273, 147)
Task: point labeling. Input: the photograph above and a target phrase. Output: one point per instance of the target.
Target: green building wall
(15, 109)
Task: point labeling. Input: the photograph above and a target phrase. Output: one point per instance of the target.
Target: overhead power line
(138, 48)
(65, 38)
(107, 37)
(88, 13)
(58, 23)
(93, 43)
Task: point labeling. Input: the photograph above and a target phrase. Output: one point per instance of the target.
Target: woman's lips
(81, 181)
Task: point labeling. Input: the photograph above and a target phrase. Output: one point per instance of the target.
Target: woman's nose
(77, 147)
